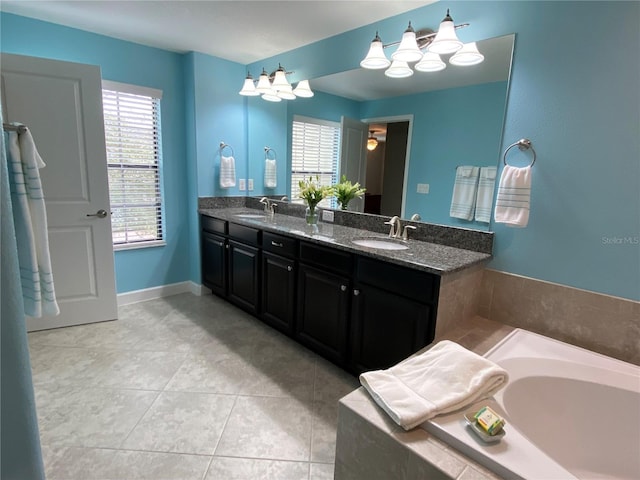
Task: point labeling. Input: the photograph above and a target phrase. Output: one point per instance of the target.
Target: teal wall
(129, 63)
(575, 98)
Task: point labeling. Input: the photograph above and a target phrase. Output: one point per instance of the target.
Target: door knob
(100, 214)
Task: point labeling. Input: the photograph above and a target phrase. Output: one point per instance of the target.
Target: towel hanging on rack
(30, 217)
(463, 200)
(484, 198)
(514, 196)
(227, 168)
(270, 169)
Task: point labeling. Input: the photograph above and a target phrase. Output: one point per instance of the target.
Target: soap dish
(484, 436)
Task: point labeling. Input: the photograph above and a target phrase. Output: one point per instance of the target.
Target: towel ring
(223, 146)
(266, 153)
(523, 144)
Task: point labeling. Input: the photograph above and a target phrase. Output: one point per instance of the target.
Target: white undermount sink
(249, 215)
(380, 243)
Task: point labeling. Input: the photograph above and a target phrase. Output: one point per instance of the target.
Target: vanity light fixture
(275, 87)
(423, 47)
(372, 142)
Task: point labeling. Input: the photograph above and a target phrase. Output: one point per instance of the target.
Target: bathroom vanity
(360, 307)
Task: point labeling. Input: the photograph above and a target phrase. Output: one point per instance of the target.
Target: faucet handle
(405, 233)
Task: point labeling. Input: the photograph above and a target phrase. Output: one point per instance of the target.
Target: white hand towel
(30, 217)
(270, 173)
(514, 196)
(443, 379)
(463, 201)
(484, 199)
(227, 172)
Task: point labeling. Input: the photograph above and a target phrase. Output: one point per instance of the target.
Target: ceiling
(238, 30)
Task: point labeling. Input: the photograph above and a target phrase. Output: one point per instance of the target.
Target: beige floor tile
(225, 468)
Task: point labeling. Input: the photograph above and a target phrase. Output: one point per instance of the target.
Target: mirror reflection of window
(315, 149)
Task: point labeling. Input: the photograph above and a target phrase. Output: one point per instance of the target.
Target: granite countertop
(429, 257)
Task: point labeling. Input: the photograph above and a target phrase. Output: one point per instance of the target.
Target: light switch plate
(242, 184)
(327, 216)
(250, 184)
(423, 188)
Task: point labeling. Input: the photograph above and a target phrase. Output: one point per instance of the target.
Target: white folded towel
(484, 198)
(227, 172)
(443, 379)
(270, 173)
(463, 201)
(30, 217)
(514, 196)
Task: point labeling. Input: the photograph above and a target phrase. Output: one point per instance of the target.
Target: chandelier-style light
(275, 87)
(423, 49)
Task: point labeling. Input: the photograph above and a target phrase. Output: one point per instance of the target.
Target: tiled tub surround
(597, 322)
(463, 238)
(370, 445)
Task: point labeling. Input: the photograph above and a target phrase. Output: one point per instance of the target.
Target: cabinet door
(386, 328)
(278, 292)
(323, 312)
(214, 263)
(243, 276)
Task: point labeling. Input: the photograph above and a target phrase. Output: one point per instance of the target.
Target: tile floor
(184, 388)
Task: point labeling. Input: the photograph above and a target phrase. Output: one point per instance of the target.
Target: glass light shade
(303, 89)
(271, 96)
(467, 55)
(408, 50)
(264, 85)
(286, 94)
(280, 80)
(398, 69)
(372, 143)
(249, 89)
(446, 40)
(431, 62)
(375, 59)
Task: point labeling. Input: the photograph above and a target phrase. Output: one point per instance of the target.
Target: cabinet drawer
(248, 235)
(279, 244)
(327, 258)
(421, 286)
(213, 225)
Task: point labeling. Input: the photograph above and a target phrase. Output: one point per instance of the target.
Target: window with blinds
(133, 140)
(315, 149)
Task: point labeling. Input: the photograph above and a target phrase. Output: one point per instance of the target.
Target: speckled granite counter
(430, 257)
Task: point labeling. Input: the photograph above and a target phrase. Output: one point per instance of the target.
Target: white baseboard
(159, 292)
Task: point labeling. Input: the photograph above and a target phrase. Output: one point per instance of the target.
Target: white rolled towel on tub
(443, 379)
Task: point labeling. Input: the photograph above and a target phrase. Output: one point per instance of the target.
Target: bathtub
(570, 414)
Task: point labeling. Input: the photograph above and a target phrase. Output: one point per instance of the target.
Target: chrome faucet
(415, 217)
(267, 205)
(284, 199)
(394, 231)
(405, 233)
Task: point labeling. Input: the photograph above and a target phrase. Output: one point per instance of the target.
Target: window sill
(135, 246)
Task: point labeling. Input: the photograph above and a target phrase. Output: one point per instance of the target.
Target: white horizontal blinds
(132, 134)
(315, 147)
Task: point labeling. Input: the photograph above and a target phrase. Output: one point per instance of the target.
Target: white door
(353, 156)
(61, 103)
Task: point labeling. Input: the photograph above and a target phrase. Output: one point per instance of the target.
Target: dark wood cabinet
(278, 292)
(214, 263)
(322, 321)
(244, 270)
(393, 314)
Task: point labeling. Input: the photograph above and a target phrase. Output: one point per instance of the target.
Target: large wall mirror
(438, 121)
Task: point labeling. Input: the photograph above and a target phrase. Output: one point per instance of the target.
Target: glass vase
(311, 216)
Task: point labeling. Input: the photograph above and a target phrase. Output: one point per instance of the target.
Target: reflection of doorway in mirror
(386, 166)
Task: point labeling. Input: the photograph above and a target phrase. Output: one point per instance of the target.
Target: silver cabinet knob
(356, 292)
(100, 214)
(289, 268)
(343, 288)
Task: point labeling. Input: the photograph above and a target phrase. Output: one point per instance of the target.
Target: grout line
(224, 427)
